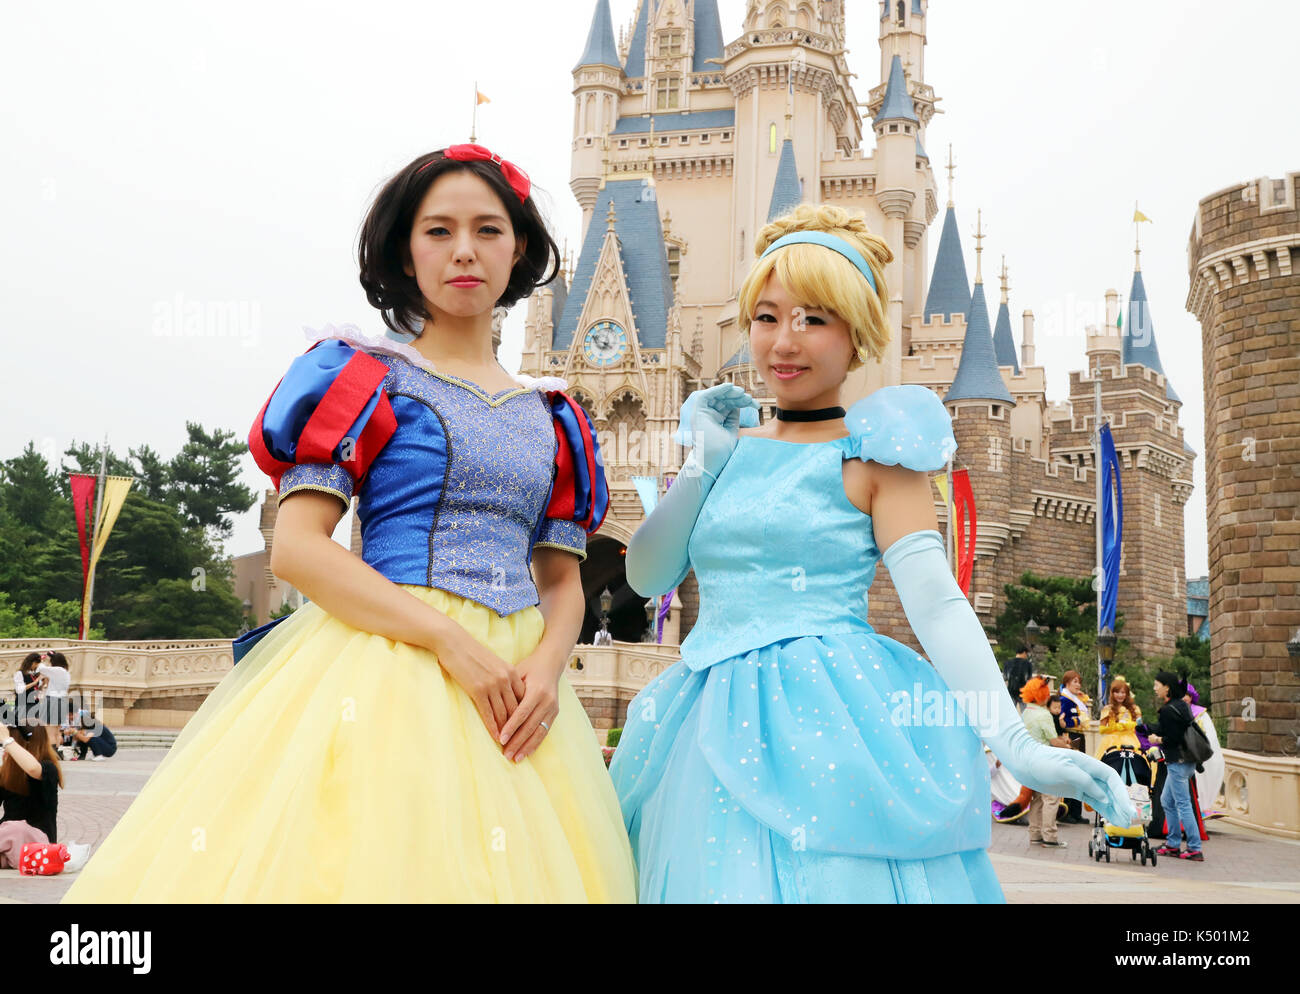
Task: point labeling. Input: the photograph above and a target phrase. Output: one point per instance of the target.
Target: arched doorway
(604, 569)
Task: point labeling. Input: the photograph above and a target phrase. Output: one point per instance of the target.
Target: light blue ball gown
(779, 760)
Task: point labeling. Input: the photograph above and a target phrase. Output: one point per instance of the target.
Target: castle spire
(600, 50)
(897, 105)
(977, 374)
(950, 290)
(786, 195)
(1004, 345)
(979, 246)
(635, 67)
(950, 167)
(1139, 334)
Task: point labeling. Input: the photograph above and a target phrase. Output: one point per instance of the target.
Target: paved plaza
(1242, 866)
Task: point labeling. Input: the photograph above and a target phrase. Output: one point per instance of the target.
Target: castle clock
(605, 344)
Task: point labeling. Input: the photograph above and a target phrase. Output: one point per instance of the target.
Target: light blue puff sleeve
(748, 419)
(904, 426)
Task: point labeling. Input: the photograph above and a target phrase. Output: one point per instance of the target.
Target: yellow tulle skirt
(336, 765)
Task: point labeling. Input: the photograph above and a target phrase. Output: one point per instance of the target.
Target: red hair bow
(516, 177)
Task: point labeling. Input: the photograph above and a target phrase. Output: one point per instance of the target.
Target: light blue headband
(832, 242)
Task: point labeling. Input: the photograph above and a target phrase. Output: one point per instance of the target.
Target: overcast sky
(169, 166)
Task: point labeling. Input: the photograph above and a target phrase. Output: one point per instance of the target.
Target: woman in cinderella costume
(794, 754)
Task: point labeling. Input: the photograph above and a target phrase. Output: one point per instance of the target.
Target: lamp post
(650, 619)
(1293, 650)
(1031, 640)
(1106, 642)
(606, 602)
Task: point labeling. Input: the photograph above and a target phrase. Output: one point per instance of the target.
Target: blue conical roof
(1004, 346)
(600, 50)
(977, 374)
(708, 36)
(636, 48)
(786, 194)
(1140, 334)
(645, 262)
(949, 286)
(898, 103)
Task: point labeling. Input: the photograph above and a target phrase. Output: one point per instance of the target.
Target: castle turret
(597, 86)
(896, 126)
(981, 405)
(902, 35)
(977, 374)
(1139, 332)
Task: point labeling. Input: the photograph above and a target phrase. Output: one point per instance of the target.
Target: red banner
(83, 506)
(963, 499)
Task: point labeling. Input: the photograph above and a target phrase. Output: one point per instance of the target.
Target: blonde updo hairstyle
(820, 277)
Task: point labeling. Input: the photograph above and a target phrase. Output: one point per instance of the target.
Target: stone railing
(1263, 792)
(153, 682)
(607, 677)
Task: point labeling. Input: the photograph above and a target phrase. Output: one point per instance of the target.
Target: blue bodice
(453, 492)
(778, 549)
(788, 714)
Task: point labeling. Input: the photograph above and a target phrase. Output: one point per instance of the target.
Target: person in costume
(1119, 719)
(1044, 808)
(1076, 707)
(476, 491)
(793, 754)
(1209, 778)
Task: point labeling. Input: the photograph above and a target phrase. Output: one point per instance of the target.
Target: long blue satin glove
(954, 639)
(657, 559)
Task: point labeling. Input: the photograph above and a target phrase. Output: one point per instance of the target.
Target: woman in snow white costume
(289, 784)
(793, 754)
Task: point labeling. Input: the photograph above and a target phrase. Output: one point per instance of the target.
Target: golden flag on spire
(1139, 216)
(481, 98)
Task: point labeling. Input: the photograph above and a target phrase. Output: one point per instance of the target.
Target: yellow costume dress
(1119, 732)
(289, 784)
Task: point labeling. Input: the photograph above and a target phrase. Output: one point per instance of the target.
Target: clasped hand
(518, 704)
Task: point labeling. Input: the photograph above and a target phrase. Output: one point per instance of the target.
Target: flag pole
(474, 123)
(948, 539)
(1101, 569)
(94, 537)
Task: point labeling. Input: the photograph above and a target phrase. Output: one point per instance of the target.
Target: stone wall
(1244, 262)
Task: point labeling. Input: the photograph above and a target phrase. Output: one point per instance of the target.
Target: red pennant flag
(964, 508)
(83, 506)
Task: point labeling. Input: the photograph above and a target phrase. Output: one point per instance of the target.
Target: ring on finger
(544, 725)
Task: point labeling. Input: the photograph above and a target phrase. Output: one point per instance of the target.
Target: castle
(684, 146)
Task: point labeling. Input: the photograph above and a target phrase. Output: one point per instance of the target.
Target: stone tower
(1244, 264)
(981, 406)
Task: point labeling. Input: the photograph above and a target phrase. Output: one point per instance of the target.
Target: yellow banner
(1139, 216)
(942, 483)
(115, 491)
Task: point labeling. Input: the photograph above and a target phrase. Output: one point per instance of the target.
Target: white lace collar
(357, 338)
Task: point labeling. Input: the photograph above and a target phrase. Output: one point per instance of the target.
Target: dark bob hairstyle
(386, 232)
(1176, 683)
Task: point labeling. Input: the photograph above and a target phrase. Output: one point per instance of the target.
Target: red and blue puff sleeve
(325, 422)
(579, 497)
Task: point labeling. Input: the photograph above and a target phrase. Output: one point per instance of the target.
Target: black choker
(823, 414)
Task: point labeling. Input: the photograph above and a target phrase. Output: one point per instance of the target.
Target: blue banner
(1112, 529)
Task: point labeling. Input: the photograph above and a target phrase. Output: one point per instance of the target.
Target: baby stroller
(1134, 769)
